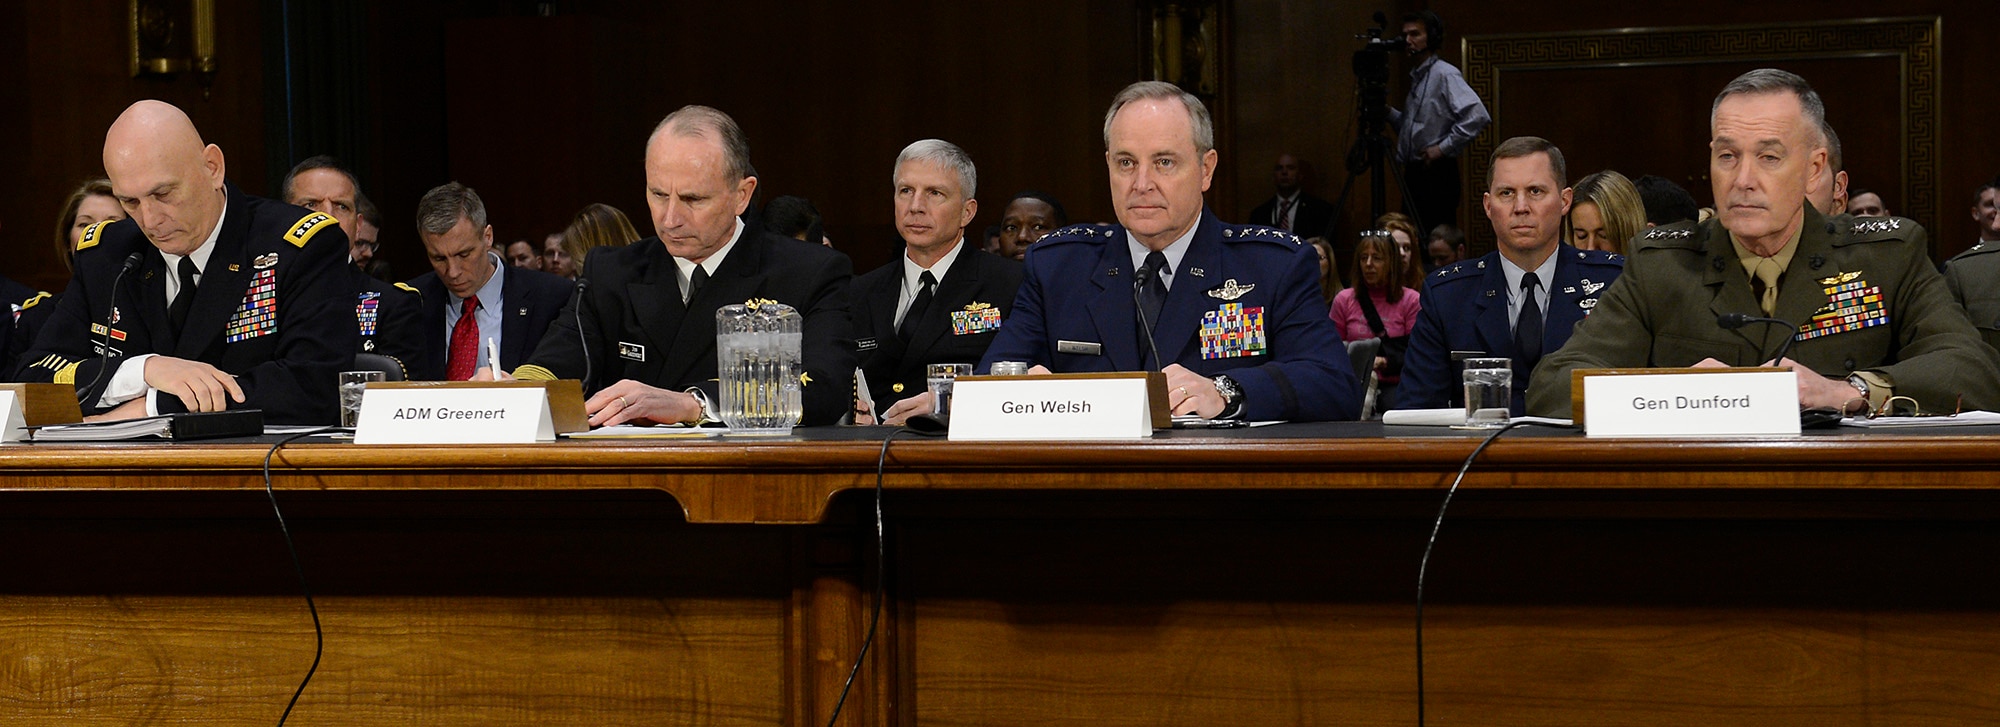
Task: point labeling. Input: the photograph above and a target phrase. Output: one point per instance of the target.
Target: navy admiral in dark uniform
(385, 314)
(941, 301)
(1235, 310)
(648, 310)
(229, 300)
(1486, 306)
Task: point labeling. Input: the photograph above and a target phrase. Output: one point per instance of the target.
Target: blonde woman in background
(597, 225)
(1606, 214)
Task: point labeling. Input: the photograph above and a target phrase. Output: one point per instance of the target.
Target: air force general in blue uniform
(1242, 300)
(1465, 309)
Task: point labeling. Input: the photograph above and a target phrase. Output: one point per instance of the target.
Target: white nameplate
(13, 422)
(455, 415)
(1051, 408)
(1752, 403)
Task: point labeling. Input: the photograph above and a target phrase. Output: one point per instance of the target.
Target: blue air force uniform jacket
(275, 308)
(1245, 301)
(1465, 309)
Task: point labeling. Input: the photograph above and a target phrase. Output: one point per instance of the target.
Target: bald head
(165, 177)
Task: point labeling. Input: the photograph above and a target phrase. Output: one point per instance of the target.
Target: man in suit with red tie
(941, 301)
(470, 296)
(1294, 209)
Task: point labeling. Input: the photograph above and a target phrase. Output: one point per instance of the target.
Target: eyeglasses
(1889, 408)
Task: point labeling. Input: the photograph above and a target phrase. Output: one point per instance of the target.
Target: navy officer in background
(222, 300)
(941, 301)
(1234, 311)
(1519, 301)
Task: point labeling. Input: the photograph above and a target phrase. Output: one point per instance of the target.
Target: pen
(493, 357)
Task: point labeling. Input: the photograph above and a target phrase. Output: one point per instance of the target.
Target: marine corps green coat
(1864, 296)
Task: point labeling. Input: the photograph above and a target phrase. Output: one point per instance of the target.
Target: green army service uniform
(1974, 279)
(1864, 294)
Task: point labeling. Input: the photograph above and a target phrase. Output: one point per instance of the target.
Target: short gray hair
(944, 154)
(1832, 140)
(703, 122)
(1202, 125)
(441, 208)
(1772, 80)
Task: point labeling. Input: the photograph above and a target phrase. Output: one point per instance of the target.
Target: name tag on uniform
(631, 351)
(865, 344)
(1080, 348)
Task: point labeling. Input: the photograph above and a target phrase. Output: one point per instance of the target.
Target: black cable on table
(1423, 568)
(881, 572)
(319, 636)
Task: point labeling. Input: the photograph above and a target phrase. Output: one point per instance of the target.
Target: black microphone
(104, 354)
(1733, 321)
(1139, 285)
(582, 285)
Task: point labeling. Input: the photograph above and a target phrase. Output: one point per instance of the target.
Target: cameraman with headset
(1442, 116)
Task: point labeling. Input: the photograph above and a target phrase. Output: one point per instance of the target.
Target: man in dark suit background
(941, 301)
(513, 306)
(230, 301)
(1293, 210)
(648, 314)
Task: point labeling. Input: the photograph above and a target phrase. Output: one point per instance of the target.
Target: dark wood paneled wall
(546, 114)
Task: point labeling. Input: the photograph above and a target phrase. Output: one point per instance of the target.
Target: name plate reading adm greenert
(464, 412)
(1124, 405)
(1691, 403)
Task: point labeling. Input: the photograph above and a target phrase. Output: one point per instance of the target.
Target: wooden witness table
(1228, 578)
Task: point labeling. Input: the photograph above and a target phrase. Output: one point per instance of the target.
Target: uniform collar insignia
(1229, 290)
(1197, 272)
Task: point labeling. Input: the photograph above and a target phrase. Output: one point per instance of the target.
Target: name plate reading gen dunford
(455, 415)
(1692, 404)
(1059, 406)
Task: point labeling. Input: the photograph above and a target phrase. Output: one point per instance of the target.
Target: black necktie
(1152, 294)
(918, 305)
(177, 313)
(1528, 327)
(694, 281)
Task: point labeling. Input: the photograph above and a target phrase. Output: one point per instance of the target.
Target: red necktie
(465, 344)
(1284, 211)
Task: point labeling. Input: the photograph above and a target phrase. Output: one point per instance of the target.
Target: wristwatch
(1857, 382)
(1232, 397)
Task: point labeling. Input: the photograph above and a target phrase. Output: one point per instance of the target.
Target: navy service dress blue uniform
(1465, 309)
(967, 311)
(1245, 301)
(638, 328)
(1869, 306)
(275, 308)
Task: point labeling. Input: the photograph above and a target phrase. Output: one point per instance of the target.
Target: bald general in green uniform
(1874, 318)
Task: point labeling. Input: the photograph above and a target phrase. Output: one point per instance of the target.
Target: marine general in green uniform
(1974, 275)
(1874, 319)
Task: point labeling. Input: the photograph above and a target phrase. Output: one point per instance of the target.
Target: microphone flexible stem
(1140, 306)
(104, 354)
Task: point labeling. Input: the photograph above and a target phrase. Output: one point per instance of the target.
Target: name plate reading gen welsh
(1058, 406)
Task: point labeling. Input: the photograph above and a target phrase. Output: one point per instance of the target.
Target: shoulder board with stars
(1600, 256)
(1669, 233)
(91, 236)
(1461, 269)
(1080, 233)
(1975, 250)
(1877, 225)
(307, 226)
(1258, 232)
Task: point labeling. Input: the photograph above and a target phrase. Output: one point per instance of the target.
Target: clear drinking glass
(1489, 391)
(1009, 368)
(352, 384)
(940, 377)
(759, 362)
